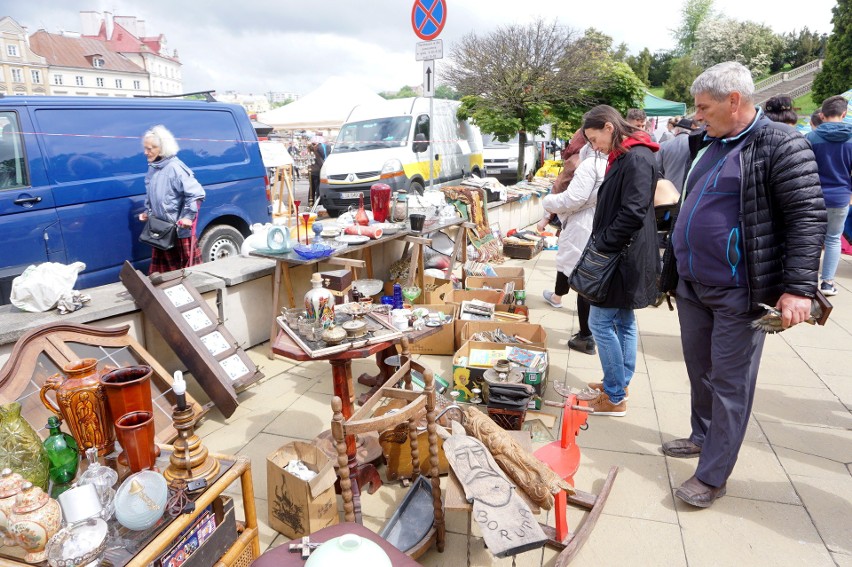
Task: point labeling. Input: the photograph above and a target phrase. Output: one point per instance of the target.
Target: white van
(389, 142)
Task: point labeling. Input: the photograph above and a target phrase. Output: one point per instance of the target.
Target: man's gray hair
(163, 139)
(722, 79)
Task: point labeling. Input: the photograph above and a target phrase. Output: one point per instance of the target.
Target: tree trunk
(522, 145)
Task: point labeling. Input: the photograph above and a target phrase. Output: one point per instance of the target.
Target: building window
(99, 81)
(97, 62)
(17, 76)
(12, 50)
(36, 74)
(57, 79)
(118, 83)
(79, 80)
(137, 85)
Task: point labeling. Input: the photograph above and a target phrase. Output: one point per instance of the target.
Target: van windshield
(373, 134)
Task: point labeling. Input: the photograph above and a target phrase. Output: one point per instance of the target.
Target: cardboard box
(442, 342)
(297, 507)
(438, 295)
(490, 282)
(470, 376)
(529, 331)
(505, 272)
(458, 295)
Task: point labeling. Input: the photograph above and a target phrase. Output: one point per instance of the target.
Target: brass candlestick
(189, 460)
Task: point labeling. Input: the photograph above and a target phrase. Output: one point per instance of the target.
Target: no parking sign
(428, 18)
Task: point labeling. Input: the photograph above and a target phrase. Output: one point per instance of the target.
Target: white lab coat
(576, 210)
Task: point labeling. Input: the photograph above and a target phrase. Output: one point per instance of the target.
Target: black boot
(582, 343)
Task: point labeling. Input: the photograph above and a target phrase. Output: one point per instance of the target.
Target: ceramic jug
(81, 403)
(20, 446)
(35, 518)
(10, 486)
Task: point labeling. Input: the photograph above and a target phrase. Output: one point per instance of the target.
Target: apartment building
(79, 66)
(22, 71)
(126, 35)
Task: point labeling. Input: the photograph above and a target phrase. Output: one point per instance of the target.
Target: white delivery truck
(392, 142)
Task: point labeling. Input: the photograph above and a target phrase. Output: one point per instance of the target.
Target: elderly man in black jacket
(750, 231)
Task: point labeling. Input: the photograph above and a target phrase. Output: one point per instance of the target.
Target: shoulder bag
(593, 273)
(159, 233)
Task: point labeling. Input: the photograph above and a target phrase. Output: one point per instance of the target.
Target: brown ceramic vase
(81, 403)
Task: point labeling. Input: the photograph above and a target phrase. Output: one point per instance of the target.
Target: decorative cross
(305, 547)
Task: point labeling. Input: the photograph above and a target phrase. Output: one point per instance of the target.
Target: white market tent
(322, 109)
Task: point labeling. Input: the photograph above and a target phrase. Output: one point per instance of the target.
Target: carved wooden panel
(192, 329)
(42, 352)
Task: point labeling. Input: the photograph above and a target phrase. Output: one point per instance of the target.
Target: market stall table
(363, 472)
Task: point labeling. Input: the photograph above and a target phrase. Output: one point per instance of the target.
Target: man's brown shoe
(604, 406)
(599, 387)
(696, 493)
(681, 449)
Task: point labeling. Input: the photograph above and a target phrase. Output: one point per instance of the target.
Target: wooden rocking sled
(563, 457)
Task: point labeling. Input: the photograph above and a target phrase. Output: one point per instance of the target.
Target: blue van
(72, 180)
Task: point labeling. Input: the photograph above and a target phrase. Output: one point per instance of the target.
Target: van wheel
(415, 188)
(219, 242)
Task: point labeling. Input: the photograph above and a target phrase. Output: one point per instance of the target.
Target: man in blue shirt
(750, 231)
(832, 143)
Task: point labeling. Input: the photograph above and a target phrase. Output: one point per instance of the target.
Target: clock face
(179, 295)
(234, 367)
(215, 343)
(197, 319)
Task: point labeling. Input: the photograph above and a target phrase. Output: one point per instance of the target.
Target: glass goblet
(411, 292)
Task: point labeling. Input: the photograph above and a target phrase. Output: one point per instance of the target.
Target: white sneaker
(826, 288)
(548, 297)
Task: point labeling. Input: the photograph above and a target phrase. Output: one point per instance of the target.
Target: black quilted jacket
(781, 210)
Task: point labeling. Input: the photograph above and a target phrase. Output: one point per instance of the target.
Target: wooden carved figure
(507, 524)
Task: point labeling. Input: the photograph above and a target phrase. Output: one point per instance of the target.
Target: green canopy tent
(656, 106)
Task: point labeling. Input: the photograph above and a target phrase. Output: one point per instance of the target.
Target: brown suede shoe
(599, 387)
(696, 493)
(604, 406)
(681, 449)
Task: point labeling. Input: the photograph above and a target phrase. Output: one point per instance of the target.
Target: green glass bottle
(62, 452)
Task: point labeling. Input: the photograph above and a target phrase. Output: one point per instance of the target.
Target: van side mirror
(420, 144)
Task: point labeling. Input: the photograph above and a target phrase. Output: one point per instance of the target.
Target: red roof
(123, 41)
(65, 51)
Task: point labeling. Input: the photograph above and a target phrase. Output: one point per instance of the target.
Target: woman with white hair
(173, 194)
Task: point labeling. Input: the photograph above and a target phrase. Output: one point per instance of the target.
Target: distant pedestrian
(780, 109)
(673, 157)
(171, 193)
(816, 119)
(320, 152)
(294, 153)
(669, 133)
(832, 144)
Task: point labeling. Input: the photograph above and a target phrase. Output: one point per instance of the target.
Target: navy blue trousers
(722, 355)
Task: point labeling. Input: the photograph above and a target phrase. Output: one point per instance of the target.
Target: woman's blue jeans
(616, 335)
(833, 231)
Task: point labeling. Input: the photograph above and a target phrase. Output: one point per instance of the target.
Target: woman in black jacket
(624, 219)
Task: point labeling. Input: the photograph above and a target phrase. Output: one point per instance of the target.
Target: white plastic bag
(40, 287)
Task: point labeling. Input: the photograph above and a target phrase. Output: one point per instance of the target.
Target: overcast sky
(256, 46)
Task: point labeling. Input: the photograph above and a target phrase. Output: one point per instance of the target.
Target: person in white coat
(576, 210)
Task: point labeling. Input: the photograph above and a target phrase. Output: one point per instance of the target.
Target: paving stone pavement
(789, 499)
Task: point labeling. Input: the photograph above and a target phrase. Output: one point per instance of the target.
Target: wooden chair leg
(432, 434)
(339, 435)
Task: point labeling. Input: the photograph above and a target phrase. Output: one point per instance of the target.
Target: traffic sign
(429, 50)
(429, 78)
(428, 18)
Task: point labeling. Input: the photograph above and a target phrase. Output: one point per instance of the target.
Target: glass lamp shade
(141, 500)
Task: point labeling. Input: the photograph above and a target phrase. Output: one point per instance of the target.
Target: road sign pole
(431, 146)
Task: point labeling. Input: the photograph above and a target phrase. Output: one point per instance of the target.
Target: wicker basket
(511, 420)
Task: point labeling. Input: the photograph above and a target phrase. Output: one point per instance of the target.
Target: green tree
(641, 65)
(620, 52)
(516, 78)
(447, 92)
(834, 77)
(692, 14)
(404, 92)
(661, 66)
(684, 71)
(725, 39)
